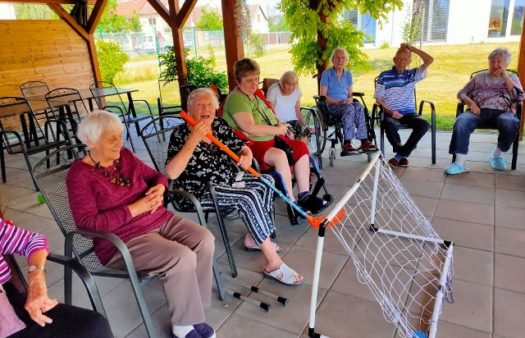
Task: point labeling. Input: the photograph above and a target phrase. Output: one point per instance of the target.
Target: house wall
(468, 21)
(391, 30)
(42, 50)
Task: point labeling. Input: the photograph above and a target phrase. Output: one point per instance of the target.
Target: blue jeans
(354, 123)
(506, 123)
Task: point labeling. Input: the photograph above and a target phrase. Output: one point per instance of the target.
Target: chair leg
(2, 160)
(433, 136)
(218, 282)
(515, 152)
(226, 241)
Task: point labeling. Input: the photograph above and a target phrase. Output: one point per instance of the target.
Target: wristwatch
(32, 268)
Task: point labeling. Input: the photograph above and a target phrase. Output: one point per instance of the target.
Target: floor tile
(422, 188)
(473, 265)
(510, 241)
(509, 273)
(508, 182)
(464, 211)
(238, 326)
(465, 234)
(509, 311)
(472, 307)
(465, 193)
(510, 198)
(345, 316)
(423, 174)
(510, 217)
(472, 179)
(449, 330)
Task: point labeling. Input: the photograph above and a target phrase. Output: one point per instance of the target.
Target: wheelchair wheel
(332, 157)
(317, 140)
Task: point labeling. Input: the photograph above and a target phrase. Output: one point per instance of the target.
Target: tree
(110, 22)
(111, 59)
(317, 27)
(209, 20)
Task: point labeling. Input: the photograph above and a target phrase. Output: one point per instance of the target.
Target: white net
(395, 250)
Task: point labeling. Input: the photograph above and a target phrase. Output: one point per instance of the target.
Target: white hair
(337, 50)
(504, 52)
(96, 124)
(201, 92)
(288, 77)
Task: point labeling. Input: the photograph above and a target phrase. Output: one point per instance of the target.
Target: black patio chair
(29, 139)
(19, 282)
(378, 117)
(120, 108)
(156, 137)
(163, 107)
(67, 105)
(79, 242)
(519, 108)
(35, 91)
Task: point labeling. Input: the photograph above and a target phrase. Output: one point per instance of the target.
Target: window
(435, 19)
(517, 17)
(152, 21)
(364, 22)
(499, 12)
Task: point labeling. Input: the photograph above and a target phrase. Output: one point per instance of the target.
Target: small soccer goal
(395, 250)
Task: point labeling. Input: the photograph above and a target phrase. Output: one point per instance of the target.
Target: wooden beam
(61, 12)
(521, 69)
(163, 11)
(47, 2)
(92, 48)
(232, 38)
(178, 49)
(184, 13)
(95, 16)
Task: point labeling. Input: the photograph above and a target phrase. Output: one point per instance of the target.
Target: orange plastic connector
(315, 221)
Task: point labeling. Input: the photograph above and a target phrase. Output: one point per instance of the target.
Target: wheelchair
(325, 127)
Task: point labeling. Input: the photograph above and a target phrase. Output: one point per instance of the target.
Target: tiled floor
(483, 212)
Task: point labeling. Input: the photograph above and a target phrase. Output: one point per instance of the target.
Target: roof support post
(232, 39)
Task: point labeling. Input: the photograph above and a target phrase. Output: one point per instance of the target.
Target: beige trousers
(181, 251)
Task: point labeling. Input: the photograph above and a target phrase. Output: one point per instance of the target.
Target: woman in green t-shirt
(245, 111)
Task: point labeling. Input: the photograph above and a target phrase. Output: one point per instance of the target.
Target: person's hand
(198, 132)
(156, 196)
(245, 161)
(283, 128)
(38, 302)
(396, 115)
(474, 108)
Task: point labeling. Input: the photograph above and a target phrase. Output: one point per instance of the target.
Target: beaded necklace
(114, 176)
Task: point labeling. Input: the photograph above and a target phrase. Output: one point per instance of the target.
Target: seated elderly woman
(41, 316)
(491, 97)
(244, 111)
(285, 97)
(112, 190)
(193, 161)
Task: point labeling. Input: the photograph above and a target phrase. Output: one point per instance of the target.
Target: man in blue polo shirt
(395, 93)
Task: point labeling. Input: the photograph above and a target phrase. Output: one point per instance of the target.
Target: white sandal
(284, 274)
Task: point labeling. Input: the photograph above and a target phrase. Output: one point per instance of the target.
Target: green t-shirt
(237, 102)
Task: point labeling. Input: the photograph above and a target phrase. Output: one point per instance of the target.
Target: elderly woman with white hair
(111, 190)
(285, 97)
(193, 161)
(337, 87)
(490, 95)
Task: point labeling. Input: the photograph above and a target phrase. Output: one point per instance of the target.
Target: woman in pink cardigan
(111, 190)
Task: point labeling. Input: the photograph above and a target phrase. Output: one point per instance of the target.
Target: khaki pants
(182, 253)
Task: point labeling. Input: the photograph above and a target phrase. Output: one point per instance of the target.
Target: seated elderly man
(111, 190)
(491, 97)
(193, 161)
(395, 93)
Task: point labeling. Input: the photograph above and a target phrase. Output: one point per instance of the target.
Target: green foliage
(33, 12)
(111, 59)
(200, 70)
(256, 45)
(412, 26)
(209, 20)
(313, 22)
(384, 45)
(110, 22)
(278, 24)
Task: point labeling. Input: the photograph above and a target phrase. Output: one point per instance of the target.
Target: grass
(451, 70)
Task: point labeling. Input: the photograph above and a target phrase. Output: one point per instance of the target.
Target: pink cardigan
(98, 204)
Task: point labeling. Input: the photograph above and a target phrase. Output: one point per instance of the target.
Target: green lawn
(450, 71)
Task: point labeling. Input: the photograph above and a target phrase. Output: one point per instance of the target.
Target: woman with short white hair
(491, 96)
(111, 190)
